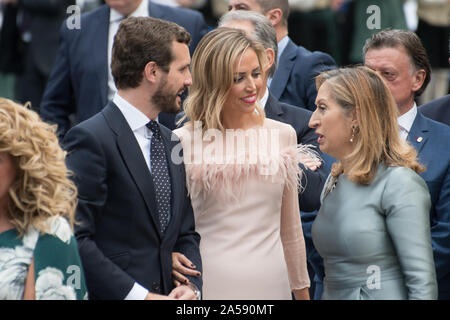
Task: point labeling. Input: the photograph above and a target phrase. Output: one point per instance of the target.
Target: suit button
(155, 286)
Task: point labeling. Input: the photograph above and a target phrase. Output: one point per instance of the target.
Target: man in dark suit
(438, 109)
(293, 81)
(257, 26)
(400, 57)
(39, 25)
(81, 82)
(133, 206)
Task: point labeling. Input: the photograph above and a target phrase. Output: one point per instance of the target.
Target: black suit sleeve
(313, 181)
(320, 62)
(86, 159)
(188, 241)
(309, 201)
(201, 28)
(58, 100)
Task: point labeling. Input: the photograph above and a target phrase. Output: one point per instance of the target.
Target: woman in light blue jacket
(373, 228)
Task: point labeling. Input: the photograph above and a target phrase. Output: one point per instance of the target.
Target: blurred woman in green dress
(38, 253)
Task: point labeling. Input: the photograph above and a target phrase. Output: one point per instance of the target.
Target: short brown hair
(411, 42)
(140, 40)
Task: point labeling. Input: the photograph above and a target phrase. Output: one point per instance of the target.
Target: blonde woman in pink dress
(242, 174)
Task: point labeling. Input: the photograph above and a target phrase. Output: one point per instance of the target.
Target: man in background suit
(399, 57)
(133, 206)
(260, 28)
(293, 81)
(438, 109)
(39, 25)
(81, 81)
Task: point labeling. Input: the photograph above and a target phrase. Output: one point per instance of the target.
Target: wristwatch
(197, 292)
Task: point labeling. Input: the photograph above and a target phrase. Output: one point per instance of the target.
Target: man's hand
(155, 296)
(183, 293)
(310, 163)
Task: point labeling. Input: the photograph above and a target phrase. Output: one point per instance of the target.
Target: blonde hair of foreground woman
(41, 188)
(212, 71)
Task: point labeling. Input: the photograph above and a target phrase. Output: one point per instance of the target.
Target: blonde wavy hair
(377, 140)
(212, 75)
(42, 188)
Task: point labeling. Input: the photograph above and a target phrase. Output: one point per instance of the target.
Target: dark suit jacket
(431, 139)
(437, 110)
(46, 19)
(309, 199)
(298, 118)
(78, 83)
(13, 48)
(293, 81)
(119, 238)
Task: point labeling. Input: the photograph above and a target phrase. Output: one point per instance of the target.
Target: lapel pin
(419, 139)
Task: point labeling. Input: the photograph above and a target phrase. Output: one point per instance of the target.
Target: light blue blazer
(375, 239)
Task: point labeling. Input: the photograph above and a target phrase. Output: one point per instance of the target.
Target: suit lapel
(100, 37)
(133, 159)
(418, 135)
(284, 69)
(272, 109)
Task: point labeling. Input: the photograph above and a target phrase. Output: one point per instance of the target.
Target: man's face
(394, 65)
(174, 83)
(250, 5)
(125, 7)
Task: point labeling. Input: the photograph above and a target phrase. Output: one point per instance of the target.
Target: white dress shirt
(405, 121)
(137, 122)
(263, 100)
(114, 21)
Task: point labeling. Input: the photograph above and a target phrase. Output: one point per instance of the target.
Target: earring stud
(353, 134)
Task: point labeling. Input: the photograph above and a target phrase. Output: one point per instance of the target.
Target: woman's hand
(182, 266)
(310, 163)
(301, 294)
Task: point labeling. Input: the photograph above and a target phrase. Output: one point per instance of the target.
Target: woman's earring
(353, 134)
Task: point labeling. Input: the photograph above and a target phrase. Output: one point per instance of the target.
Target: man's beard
(164, 100)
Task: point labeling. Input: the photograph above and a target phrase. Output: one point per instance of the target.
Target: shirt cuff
(138, 292)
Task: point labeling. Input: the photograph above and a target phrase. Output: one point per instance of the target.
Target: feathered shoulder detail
(222, 162)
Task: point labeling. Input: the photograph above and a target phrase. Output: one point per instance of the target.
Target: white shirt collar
(141, 11)
(406, 120)
(263, 100)
(282, 45)
(134, 117)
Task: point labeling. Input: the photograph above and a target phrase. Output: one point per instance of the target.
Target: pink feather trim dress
(243, 186)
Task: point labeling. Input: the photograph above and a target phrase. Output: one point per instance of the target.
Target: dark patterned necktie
(160, 173)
